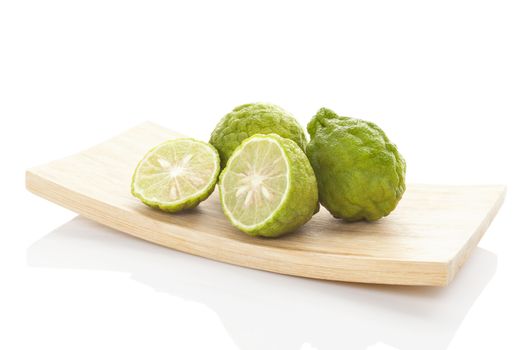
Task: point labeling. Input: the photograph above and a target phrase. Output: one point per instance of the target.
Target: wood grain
(423, 242)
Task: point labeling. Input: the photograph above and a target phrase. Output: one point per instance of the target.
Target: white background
(445, 80)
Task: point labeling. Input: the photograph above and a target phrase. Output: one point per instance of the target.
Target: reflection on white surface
(263, 310)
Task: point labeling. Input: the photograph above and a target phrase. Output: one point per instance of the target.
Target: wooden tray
(423, 242)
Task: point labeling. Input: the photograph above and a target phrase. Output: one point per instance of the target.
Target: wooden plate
(423, 242)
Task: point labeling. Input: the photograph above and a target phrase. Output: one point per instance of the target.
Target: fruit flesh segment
(255, 182)
(175, 170)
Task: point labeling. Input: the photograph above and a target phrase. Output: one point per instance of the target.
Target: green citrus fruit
(176, 175)
(250, 119)
(268, 187)
(360, 173)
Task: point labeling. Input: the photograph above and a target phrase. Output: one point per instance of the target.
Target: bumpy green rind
(189, 203)
(250, 119)
(360, 173)
(300, 204)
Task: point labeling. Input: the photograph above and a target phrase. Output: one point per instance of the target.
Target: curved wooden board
(423, 242)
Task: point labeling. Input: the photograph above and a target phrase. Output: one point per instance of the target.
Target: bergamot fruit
(176, 175)
(250, 119)
(360, 173)
(268, 187)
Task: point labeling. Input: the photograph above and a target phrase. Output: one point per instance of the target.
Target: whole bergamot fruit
(250, 119)
(360, 173)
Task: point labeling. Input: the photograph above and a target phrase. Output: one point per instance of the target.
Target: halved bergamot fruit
(176, 175)
(268, 187)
